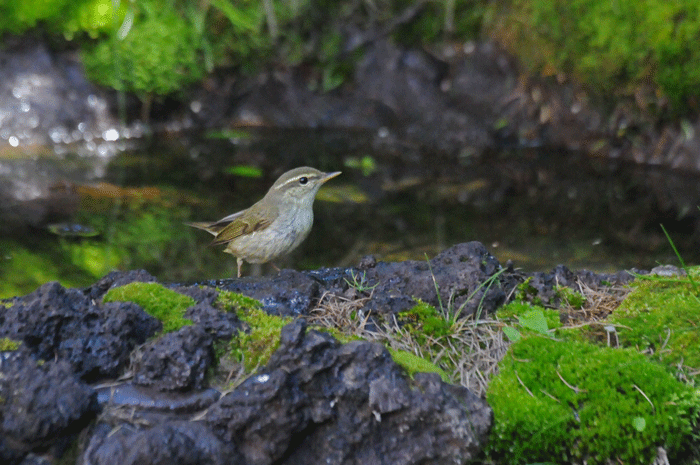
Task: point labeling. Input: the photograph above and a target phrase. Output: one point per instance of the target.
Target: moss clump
(165, 304)
(662, 316)
(7, 344)
(235, 302)
(425, 322)
(573, 402)
(568, 296)
(414, 364)
(615, 47)
(159, 55)
(255, 347)
(526, 292)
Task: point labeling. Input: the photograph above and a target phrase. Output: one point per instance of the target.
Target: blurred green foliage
(157, 47)
(17, 17)
(69, 17)
(648, 49)
(618, 47)
(159, 54)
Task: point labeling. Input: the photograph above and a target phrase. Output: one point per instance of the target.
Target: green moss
(568, 296)
(7, 344)
(615, 47)
(94, 17)
(159, 55)
(572, 402)
(162, 303)
(235, 302)
(662, 317)
(426, 322)
(525, 292)
(253, 348)
(414, 364)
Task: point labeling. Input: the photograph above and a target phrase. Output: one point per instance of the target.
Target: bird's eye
(303, 180)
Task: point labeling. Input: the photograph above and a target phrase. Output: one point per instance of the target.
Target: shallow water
(76, 217)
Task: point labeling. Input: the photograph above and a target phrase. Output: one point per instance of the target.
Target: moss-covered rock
(7, 344)
(253, 348)
(414, 364)
(662, 317)
(615, 47)
(156, 300)
(565, 401)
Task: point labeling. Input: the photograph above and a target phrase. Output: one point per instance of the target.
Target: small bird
(276, 224)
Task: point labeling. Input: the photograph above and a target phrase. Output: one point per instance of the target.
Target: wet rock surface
(175, 442)
(65, 324)
(43, 404)
(315, 401)
(287, 293)
(375, 415)
(454, 277)
(176, 361)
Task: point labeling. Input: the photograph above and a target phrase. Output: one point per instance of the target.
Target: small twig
(549, 395)
(668, 336)
(573, 388)
(645, 396)
(523, 385)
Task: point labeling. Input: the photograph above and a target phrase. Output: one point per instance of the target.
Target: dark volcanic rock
(288, 293)
(544, 285)
(321, 402)
(96, 339)
(116, 279)
(42, 403)
(221, 325)
(458, 273)
(204, 295)
(316, 401)
(176, 361)
(176, 442)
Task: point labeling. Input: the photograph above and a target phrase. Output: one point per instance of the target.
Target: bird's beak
(329, 176)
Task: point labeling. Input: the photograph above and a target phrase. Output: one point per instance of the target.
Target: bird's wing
(217, 226)
(239, 226)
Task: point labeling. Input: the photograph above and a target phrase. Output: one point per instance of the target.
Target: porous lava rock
(453, 278)
(172, 442)
(221, 325)
(65, 324)
(176, 361)
(116, 279)
(42, 404)
(315, 401)
(318, 401)
(287, 293)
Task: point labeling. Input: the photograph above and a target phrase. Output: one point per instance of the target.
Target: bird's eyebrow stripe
(297, 178)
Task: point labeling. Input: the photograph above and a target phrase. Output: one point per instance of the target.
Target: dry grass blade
(472, 348)
(341, 313)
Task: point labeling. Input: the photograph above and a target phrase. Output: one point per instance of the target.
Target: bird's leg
(239, 261)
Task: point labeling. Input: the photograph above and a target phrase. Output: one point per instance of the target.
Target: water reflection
(537, 208)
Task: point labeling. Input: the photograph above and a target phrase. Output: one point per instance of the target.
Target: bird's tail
(211, 228)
